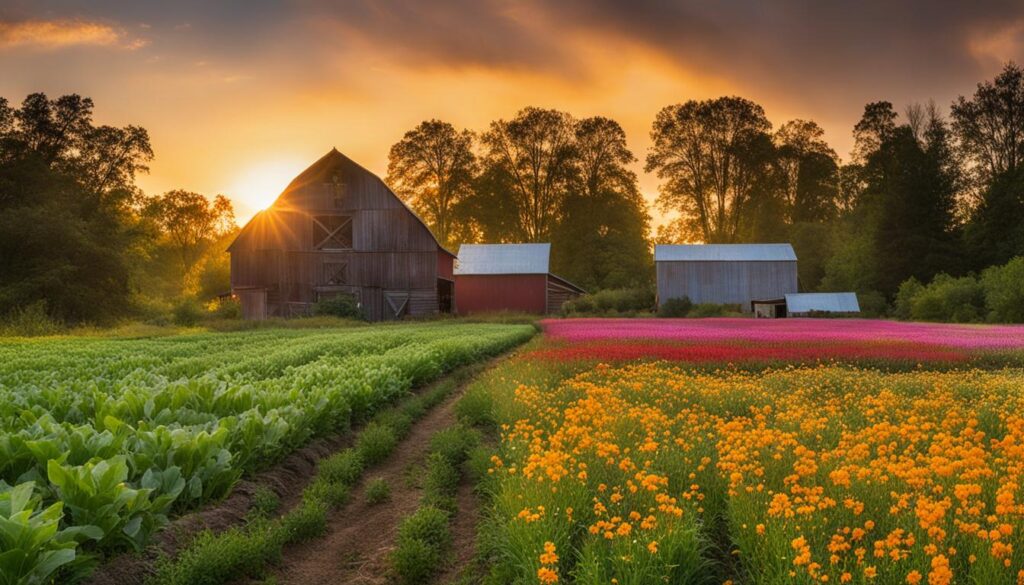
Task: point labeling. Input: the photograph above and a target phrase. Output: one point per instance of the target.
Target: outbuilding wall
(732, 282)
(501, 292)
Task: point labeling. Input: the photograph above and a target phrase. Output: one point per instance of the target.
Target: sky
(241, 96)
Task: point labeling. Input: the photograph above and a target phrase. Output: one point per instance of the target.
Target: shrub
(399, 421)
(225, 308)
(308, 520)
(702, 310)
(264, 502)
(344, 306)
(872, 304)
(333, 494)
(344, 467)
(30, 321)
(1004, 291)
(904, 303)
(429, 525)
(442, 477)
(414, 561)
(377, 491)
(187, 313)
(217, 558)
(675, 308)
(454, 443)
(476, 407)
(610, 302)
(376, 442)
(960, 300)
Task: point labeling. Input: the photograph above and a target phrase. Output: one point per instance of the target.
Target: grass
(377, 491)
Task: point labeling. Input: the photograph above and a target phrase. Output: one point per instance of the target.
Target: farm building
(509, 277)
(338, 230)
(805, 304)
(733, 274)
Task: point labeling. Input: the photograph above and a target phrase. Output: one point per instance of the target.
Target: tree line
(922, 193)
(78, 239)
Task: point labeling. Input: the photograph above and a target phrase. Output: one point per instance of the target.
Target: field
(745, 451)
(104, 439)
(627, 451)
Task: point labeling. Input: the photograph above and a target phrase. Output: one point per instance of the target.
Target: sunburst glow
(258, 186)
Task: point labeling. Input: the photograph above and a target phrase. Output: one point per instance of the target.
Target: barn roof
(503, 259)
(724, 253)
(320, 172)
(841, 302)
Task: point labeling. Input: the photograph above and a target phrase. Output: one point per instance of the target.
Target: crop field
(761, 452)
(101, 440)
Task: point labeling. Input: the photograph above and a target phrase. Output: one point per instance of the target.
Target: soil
(361, 535)
(467, 517)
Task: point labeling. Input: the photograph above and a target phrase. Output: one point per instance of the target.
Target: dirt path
(360, 535)
(463, 534)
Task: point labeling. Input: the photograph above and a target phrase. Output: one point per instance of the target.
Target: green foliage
(34, 548)
(187, 313)
(376, 442)
(265, 502)
(701, 310)
(212, 559)
(903, 306)
(332, 493)
(30, 321)
(344, 467)
(344, 306)
(675, 307)
(427, 524)
(610, 302)
(453, 443)
(958, 300)
(1004, 291)
(225, 308)
(377, 491)
(476, 407)
(306, 521)
(95, 494)
(442, 476)
(415, 561)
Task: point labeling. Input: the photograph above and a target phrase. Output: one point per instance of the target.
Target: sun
(259, 184)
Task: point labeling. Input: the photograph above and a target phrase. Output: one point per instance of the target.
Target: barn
(509, 277)
(733, 274)
(338, 230)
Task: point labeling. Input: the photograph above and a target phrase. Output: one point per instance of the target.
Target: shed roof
(841, 302)
(724, 253)
(503, 259)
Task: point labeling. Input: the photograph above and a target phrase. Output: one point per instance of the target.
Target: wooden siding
(393, 255)
(484, 293)
(725, 282)
(558, 294)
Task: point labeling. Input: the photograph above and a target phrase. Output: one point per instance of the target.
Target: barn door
(397, 304)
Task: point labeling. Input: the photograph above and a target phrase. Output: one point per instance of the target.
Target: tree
(432, 168)
(66, 239)
(711, 158)
(811, 171)
(532, 157)
(995, 232)
(875, 127)
(989, 127)
(190, 223)
(601, 241)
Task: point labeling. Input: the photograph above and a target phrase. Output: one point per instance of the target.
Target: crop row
(103, 439)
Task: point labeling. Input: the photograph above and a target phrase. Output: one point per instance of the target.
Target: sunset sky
(239, 97)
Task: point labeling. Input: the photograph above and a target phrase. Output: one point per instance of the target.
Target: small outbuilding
(837, 303)
(726, 274)
(509, 277)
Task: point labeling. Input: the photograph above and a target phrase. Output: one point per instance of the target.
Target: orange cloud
(58, 34)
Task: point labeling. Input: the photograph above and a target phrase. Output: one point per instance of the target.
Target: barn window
(336, 273)
(332, 232)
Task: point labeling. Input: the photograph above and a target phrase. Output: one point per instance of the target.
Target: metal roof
(842, 302)
(503, 259)
(724, 253)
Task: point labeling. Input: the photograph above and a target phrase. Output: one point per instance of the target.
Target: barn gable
(509, 277)
(338, 230)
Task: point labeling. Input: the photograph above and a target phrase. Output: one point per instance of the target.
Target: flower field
(655, 471)
(783, 341)
(102, 439)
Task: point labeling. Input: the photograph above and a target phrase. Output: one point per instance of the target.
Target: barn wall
(501, 292)
(558, 294)
(394, 260)
(726, 282)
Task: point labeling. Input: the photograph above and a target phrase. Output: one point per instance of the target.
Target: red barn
(509, 277)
